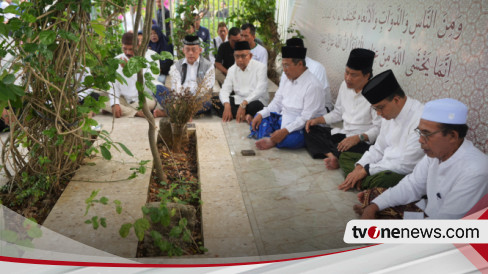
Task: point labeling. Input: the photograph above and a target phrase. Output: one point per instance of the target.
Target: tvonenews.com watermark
(416, 231)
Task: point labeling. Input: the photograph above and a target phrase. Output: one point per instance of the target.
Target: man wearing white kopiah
(299, 98)
(453, 173)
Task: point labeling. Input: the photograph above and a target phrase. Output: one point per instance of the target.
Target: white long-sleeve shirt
(129, 90)
(191, 77)
(250, 84)
(452, 187)
(356, 113)
(297, 101)
(259, 53)
(397, 147)
(319, 72)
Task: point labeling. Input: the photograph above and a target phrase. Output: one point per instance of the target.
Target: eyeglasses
(240, 56)
(424, 134)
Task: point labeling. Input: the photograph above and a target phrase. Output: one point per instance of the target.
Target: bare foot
(358, 209)
(265, 143)
(140, 114)
(331, 162)
(248, 119)
(159, 113)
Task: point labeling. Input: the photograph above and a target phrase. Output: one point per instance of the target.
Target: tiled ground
(292, 201)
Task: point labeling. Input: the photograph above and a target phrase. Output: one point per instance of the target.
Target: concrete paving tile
(224, 214)
(102, 170)
(231, 247)
(217, 178)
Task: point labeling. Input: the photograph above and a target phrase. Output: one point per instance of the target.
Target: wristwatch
(361, 138)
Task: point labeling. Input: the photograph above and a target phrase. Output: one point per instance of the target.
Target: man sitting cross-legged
(248, 79)
(190, 72)
(396, 151)
(316, 68)
(453, 174)
(299, 98)
(361, 125)
(124, 99)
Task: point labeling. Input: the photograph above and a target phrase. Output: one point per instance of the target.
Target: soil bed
(39, 210)
(181, 170)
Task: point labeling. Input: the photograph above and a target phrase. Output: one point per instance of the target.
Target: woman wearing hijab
(159, 42)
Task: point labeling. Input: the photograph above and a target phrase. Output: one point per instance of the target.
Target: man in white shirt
(316, 69)
(396, 151)
(190, 72)
(298, 99)
(124, 99)
(222, 32)
(453, 174)
(259, 53)
(247, 78)
(361, 125)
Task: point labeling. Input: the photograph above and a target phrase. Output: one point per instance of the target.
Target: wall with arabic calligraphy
(436, 48)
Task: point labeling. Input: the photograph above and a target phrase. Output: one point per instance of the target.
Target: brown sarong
(395, 212)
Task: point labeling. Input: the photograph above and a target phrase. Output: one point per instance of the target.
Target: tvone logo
(373, 232)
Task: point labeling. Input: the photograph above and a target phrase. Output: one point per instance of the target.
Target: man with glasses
(361, 125)
(248, 79)
(396, 151)
(298, 99)
(453, 174)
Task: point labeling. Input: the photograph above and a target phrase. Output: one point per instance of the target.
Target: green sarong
(385, 179)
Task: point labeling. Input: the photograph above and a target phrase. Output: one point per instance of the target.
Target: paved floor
(261, 207)
(292, 201)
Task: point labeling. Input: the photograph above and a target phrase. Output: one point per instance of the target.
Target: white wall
(436, 48)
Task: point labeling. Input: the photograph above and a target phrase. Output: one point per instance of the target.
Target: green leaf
(164, 246)
(105, 153)
(103, 222)
(29, 222)
(8, 236)
(140, 227)
(98, 29)
(165, 217)
(154, 68)
(183, 222)
(34, 232)
(139, 87)
(88, 222)
(95, 223)
(118, 209)
(175, 232)
(155, 214)
(124, 230)
(104, 200)
(8, 79)
(47, 37)
(25, 243)
(29, 18)
(126, 149)
(186, 236)
(157, 237)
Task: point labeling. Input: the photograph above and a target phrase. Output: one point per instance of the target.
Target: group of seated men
(402, 155)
